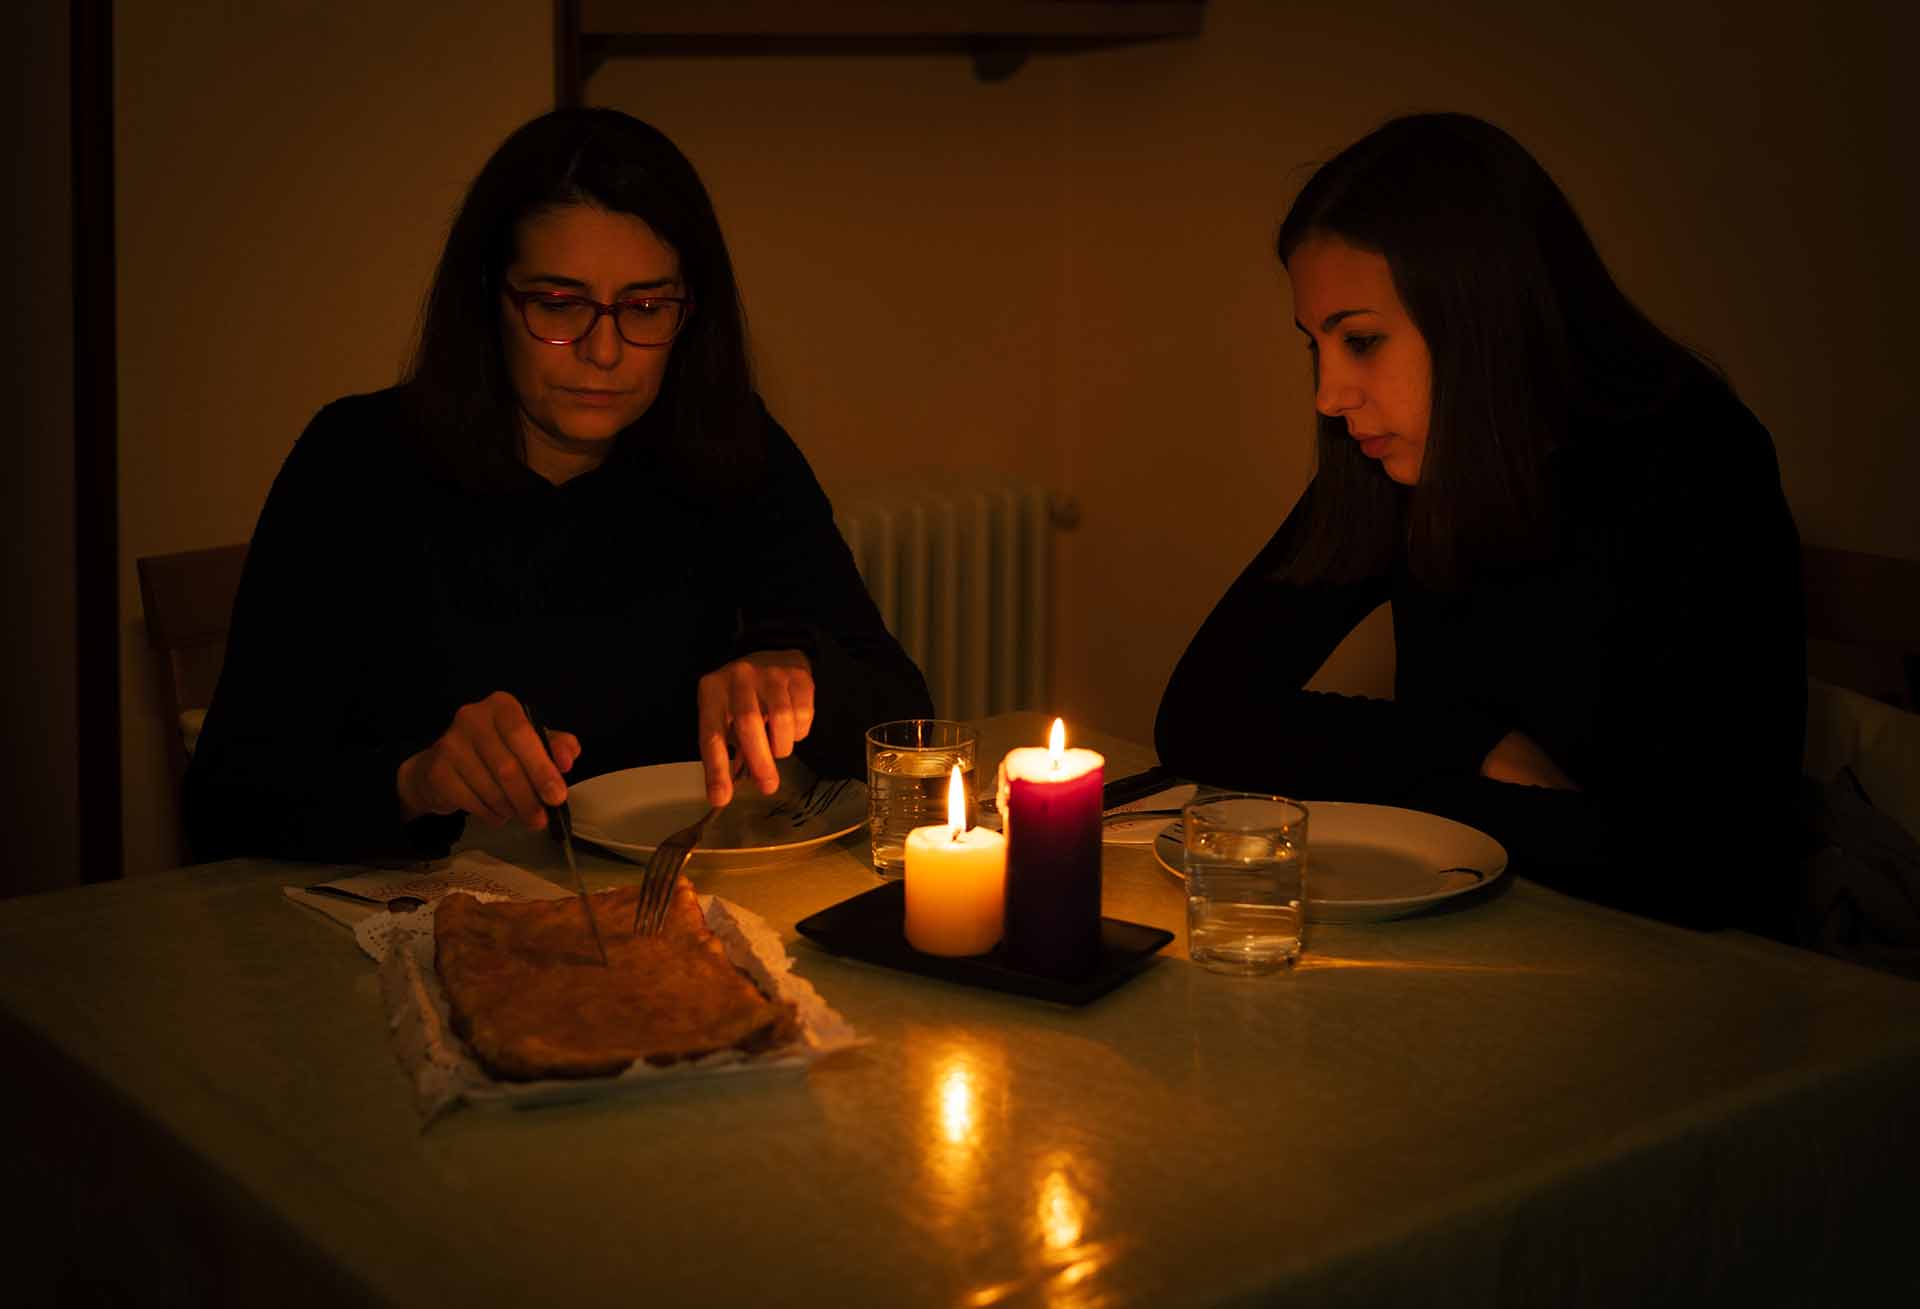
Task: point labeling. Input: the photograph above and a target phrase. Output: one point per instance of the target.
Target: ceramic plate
(1368, 862)
(632, 811)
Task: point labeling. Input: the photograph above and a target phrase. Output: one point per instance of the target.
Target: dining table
(1524, 1099)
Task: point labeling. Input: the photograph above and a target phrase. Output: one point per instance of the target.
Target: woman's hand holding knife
(488, 763)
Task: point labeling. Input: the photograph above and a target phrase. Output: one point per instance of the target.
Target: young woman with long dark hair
(1593, 573)
(574, 499)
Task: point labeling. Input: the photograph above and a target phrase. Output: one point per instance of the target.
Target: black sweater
(1659, 658)
(379, 597)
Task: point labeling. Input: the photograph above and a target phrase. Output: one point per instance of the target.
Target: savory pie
(528, 992)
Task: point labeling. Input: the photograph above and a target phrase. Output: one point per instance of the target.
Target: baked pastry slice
(529, 995)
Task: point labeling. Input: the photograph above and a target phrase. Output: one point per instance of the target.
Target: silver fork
(664, 865)
(663, 871)
(811, 803)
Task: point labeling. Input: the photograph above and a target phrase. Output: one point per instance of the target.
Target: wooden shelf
(998, 34)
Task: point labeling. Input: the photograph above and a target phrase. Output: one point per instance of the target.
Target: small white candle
(956, 882)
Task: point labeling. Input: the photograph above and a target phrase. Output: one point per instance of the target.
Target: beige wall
(898, 230)
(1067, 275)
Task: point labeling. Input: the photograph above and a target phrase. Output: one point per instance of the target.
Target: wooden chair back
(1863, 623)
(188, 597)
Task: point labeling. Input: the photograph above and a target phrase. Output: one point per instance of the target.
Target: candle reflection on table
(984, 1165)
(1065, 1265)
(1062, 1210)
(958, 1117)
(963, 1094)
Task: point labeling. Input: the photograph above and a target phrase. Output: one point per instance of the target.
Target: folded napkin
(388, 892)
(1153, 820)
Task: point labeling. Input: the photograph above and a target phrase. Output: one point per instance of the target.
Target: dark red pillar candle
(1052, 813)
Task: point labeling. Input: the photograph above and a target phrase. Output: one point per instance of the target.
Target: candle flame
(1056, 743)
(957, 804)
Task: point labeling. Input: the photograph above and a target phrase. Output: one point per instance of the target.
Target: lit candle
(955, 881)
(1051, 802)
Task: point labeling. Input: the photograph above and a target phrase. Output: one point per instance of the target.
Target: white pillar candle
(956, 880)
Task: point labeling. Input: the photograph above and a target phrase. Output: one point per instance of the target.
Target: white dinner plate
(631, 811)
(1368, 862)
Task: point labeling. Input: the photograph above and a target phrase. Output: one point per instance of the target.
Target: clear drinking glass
(1246, 864)
(908, 763)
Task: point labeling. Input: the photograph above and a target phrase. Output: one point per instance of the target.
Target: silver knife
(560, 817)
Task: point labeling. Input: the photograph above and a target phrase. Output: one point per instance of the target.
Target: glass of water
(1246, 863)
(908, 763)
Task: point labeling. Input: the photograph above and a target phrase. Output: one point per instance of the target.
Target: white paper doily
(445, 1073)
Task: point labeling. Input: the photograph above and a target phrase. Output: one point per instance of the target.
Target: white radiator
(962, 579)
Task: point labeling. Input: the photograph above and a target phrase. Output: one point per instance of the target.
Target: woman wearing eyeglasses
(573, 500)
(1593, 573)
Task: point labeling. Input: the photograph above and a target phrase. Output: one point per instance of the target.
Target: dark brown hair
(1533, 346)
(458, 383)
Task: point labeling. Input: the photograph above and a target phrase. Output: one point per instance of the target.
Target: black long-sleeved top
(379, 596)
(1658, 658)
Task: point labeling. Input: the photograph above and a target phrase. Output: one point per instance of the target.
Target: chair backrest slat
(1863, 622)
(188, 598)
